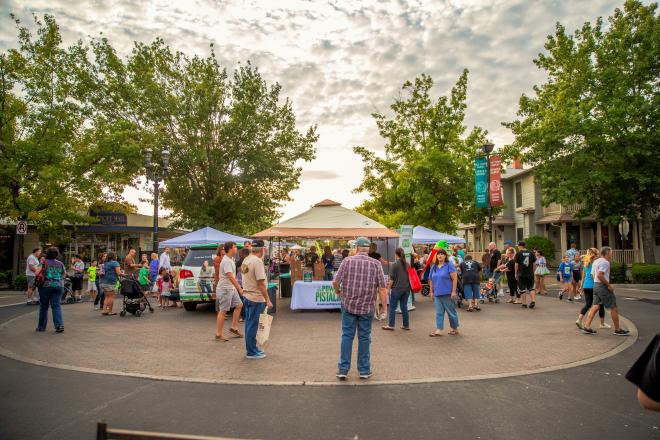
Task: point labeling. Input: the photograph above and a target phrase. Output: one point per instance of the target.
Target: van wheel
(190, 306)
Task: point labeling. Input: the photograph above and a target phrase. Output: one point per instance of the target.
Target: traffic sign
(21, 227)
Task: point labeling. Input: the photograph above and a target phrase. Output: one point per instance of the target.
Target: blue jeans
(471, 291)
(444, 304)
(100, 294)
(252, 312)
(50, 296)
(399, 298)
(206, 287)
(328, 275)
(349, 324)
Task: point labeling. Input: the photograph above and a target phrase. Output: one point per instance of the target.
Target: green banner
(481, 182)
(405, 241)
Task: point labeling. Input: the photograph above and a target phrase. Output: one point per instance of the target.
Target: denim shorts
(471, 291)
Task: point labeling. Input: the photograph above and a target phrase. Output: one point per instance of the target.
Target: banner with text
(405, 241)
(481, 182)
(495, 186)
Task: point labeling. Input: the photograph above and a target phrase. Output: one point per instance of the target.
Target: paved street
(593, 401)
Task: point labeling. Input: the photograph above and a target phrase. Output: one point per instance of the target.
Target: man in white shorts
(32, 265)
(228, 293)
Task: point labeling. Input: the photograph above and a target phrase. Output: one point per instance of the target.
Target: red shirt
(360, 277)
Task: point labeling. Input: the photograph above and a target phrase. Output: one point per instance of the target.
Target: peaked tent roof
(422, 235)
(328, 220)
(201, 236)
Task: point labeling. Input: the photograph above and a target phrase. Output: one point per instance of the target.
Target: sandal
(405, 328)
(453, 332)
(478, 309)
(435, 335)
(387, 327)
(470, 309)
(509, 301)
(221, 338)
(236, 333)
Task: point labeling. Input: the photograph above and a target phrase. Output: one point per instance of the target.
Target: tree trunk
(648, 234)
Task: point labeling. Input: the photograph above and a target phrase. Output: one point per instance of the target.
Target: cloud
(339, 62)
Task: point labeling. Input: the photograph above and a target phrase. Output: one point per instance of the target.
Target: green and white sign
(406, 232)
(481, 182)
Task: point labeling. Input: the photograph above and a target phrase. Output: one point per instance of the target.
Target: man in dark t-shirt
(311, 257)
(525, 274)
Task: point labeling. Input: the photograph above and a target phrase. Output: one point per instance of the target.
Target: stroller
(491, 293)
(67, 293)
(135, 301)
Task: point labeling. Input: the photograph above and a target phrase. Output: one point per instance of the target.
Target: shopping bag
(415, 283)
(265, 322)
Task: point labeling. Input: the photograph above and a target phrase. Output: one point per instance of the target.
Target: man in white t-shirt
(165, 260)
(31, 267)
(227, 293)
(603, 293)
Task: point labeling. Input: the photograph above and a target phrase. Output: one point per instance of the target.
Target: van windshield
(196, 257)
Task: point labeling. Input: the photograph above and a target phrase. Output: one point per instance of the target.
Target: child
(564, 272)
(164, 285)
(509, 269)
(490, 284)
(143, 277)
(577, 275)
(91, 281)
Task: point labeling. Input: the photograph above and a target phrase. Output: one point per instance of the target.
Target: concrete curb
(628, 342)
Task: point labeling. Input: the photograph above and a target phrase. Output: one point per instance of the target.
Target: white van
(189, 289)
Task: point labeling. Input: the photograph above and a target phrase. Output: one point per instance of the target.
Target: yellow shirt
(252, 270)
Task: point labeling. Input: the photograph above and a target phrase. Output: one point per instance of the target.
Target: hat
(362, 242)
(257, 243)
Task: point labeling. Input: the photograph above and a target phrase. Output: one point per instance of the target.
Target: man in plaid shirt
(357, 283)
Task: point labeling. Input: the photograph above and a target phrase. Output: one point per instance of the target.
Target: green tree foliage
(426, 176)
(56, 158)
(233, 140)
(591, 130)
(545, 245)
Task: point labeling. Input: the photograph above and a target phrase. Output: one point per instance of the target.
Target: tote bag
(415, 283)
(265, 322)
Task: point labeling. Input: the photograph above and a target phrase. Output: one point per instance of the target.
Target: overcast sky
(340, 61)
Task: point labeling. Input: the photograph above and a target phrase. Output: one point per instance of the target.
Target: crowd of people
(238, 280)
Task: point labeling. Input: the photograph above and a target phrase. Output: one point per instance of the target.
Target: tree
(56, 159)
(233, 141)
(591, 130)
(426, 176)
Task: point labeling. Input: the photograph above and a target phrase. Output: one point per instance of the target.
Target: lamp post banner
(495, 188)
(481, 182)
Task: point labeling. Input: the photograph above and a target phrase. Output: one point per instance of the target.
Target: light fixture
(488, 148)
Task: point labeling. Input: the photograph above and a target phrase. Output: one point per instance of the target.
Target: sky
(340, 61)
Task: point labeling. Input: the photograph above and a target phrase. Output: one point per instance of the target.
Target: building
(523, 215)
(115, 231)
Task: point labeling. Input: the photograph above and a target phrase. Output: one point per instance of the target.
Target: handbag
(40, 279)
(415, 283)
(265, 322)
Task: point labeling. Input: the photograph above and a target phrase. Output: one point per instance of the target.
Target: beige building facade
(524, 215)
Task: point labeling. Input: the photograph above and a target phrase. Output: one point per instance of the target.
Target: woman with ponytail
(399, 286)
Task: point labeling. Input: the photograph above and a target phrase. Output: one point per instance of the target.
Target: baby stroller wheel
(497, 301)
(138, 313)
(70, 300)
(122, 313)
(426, 290)
(151, 309)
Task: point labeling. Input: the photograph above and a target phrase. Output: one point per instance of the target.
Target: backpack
(40, 279)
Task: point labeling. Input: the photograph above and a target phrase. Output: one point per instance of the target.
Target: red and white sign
(495, 185)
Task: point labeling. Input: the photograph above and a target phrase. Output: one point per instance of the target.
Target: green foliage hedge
(543, 244)
(20, 282)
(646, 273)
(5, 277)
(617, 275)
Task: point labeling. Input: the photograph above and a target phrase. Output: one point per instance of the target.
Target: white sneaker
(605, 325)
(382, 316)
(578, 297)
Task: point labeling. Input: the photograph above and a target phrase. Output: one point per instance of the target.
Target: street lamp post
(157, 177)
(488, 148)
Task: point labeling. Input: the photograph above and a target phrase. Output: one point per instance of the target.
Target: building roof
(328, 220)
(510, 173)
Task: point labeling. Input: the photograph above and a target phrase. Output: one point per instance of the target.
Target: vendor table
(314, 295)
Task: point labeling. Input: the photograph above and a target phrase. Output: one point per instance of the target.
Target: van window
(196, 257)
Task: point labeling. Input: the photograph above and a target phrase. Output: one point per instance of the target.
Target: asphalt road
(592, 401)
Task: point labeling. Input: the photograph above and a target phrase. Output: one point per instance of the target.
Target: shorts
(91, 285)
(566, 280)
(525, 283)
(471, 291)
(577, 276)
(603, 296)
(76, 284)
(108, 289)
(226, 299)
(30, 281)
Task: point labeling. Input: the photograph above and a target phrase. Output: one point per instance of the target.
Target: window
(519, 234)
(518, 194)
